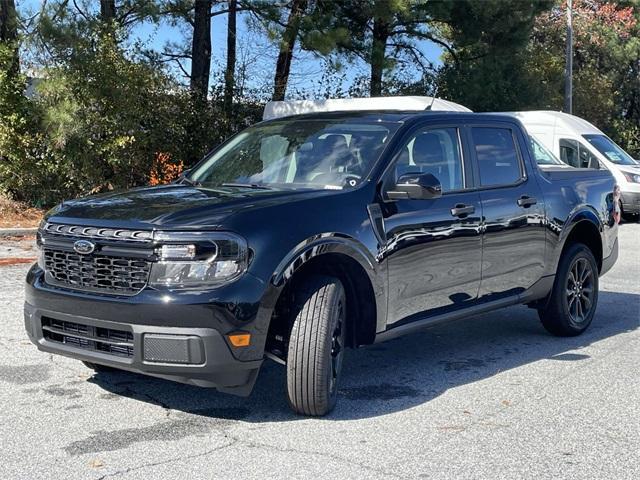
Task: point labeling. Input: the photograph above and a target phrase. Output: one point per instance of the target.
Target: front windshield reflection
(319, 153)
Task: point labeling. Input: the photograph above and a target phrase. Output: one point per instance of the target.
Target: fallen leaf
(96, 463)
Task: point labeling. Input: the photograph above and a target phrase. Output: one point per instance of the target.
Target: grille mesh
(99, 273)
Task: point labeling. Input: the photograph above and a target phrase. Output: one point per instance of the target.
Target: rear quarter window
(498, 159)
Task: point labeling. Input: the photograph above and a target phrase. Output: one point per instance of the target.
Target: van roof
(559, 120)
(407, 103)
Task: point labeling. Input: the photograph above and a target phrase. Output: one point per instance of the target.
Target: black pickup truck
(305, 235)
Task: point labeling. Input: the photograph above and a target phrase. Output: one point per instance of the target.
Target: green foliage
(606, 81)
(20, 139)
(487, 68)
(105, 118)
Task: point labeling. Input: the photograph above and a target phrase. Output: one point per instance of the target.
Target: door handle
(526, 202)
(461, 210)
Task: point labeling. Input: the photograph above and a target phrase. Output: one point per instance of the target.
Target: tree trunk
(229, 74)
(378, 50)
(9, 31)
(287, 44)
(107, 10)
(201, 49)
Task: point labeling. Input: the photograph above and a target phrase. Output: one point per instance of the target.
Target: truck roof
(400, 116)
(290, 108)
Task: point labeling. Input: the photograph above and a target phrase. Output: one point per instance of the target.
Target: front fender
(323, 244)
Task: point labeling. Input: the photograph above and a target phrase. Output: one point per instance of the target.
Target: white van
(278, 109)
(579, 144)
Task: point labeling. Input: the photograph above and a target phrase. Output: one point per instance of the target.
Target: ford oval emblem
(84, 247)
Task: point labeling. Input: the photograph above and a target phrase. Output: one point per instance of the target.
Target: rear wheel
(572, 303)
(316, 346)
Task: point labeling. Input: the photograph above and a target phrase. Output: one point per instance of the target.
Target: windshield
(542, 155)
(318, 153)
(610, 150)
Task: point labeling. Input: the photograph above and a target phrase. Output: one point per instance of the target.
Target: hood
(635, 169)
(170, 206)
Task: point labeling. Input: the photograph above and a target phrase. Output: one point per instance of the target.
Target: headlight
(198, 259)
(632, 177)
(39, 246)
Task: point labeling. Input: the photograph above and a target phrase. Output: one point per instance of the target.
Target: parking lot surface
(492, 396)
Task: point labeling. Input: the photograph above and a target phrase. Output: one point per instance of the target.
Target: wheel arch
(584, 227)
(338, 256)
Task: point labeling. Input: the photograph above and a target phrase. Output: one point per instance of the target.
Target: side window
(498, 159)
(587, 159)
(436, 151)
(577, 155)
(569, 152)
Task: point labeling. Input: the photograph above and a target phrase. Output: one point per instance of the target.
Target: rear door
(513, 244)
(433, 246)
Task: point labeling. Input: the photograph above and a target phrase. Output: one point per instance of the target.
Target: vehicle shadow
(400, 374)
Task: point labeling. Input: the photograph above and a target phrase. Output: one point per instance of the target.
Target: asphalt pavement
(489, 397)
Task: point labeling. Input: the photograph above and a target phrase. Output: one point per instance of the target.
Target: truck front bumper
(176, 340)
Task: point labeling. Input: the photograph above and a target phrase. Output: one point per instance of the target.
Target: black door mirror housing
(416, 186)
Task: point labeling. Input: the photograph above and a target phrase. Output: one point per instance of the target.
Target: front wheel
(316, 346)
(572, 303)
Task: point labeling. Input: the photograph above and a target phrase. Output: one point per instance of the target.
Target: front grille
(88, 337)
(96, 273)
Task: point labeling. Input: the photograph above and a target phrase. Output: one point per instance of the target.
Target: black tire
(96, 367)
(316, 346)
(572, 303)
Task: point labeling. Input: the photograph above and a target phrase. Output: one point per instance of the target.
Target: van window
(569, 152)
(497, 156)
(577, 155)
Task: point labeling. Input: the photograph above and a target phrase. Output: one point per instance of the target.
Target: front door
(433, 247)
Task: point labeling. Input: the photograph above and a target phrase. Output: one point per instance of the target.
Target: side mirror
(416, 186)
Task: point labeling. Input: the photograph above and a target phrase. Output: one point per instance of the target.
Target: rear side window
(497, 156)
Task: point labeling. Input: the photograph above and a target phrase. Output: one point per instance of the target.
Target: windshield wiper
(254, 186)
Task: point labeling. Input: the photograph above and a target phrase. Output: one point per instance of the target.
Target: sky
(256, 54)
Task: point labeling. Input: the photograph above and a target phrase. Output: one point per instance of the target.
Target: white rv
(580, 144)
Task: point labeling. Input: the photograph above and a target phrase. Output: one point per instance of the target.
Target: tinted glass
(435, 151)
(542, 155)
(497, 156)
(297, 154)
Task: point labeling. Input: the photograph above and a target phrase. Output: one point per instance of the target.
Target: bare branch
(80, 11)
